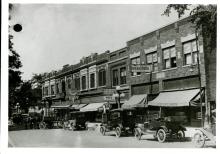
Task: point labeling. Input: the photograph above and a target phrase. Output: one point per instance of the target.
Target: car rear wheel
(137, 133)
(180, 134)
(102, 130)
(161, 135)
(118, 132)
(199, 140)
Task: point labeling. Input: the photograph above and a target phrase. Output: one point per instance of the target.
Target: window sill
(102, 86)
(189, 65)
(152, 72)
(169, 69)
(135, 76)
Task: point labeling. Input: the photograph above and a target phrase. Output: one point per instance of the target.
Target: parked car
(77, 120)
(122, 121)
(161, 129)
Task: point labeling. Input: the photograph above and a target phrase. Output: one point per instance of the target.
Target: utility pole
(200, 85)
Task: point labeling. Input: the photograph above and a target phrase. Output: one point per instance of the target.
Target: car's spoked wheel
(161, 135)
(199, 140)
(180, 134)
(102, 130)
(118, 132)
(137, 134)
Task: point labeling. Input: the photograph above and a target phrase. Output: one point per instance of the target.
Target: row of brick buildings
(171, 52)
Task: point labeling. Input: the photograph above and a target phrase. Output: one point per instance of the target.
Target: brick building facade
(170, 51)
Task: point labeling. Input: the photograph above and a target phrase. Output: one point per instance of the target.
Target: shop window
(190, 52)
(123, 75)
(52, 89)
(152, 61)
(115, 77)
(169, 57)
(92, 80)
(102, 77)
(83, 82)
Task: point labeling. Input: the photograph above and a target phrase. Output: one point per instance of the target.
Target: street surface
(86, 139)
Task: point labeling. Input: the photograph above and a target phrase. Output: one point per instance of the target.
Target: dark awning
(135, 101)
(176, 98)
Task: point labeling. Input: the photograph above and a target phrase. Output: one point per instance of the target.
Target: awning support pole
(160, 112)
(199, 74)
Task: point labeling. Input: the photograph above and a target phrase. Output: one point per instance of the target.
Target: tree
(203, 16)
(14, 73)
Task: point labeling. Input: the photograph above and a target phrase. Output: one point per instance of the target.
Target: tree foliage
(13, 68)
(203, 16)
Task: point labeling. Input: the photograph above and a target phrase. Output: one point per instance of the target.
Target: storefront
(61, 110)
(182, 105)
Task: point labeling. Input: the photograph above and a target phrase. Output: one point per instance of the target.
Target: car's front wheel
(102, 130)
(161, 135)
(118, 132)
(199, 140)
(180, 134)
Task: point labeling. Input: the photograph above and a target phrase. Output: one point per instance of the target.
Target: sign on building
(108, 98)
(141, 68)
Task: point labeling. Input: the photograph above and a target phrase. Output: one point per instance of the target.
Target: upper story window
(190, 52)
(69, 83)
(123, 75)
(83, 80)
(92, 80)
(135, 61)
(112, 56)
(52, 87)
(115, 77)
(57, 88)
(102, 77)
(122, 53)
(152, 60)
(77, 83)
(43, 91)
(63, 86)
(46, 91)
(169, 57)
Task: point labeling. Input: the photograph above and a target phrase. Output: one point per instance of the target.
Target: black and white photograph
(84, 75)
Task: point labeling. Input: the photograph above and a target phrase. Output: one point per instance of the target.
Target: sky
(54, 35)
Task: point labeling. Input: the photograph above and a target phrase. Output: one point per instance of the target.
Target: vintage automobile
(47, 122)
(206, 134)
(161, 129)
(122, 121)
(77, 121)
